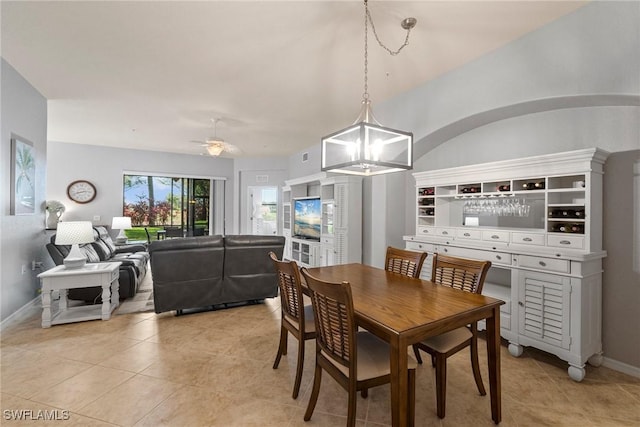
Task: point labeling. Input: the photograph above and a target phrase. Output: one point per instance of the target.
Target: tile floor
(215, 368)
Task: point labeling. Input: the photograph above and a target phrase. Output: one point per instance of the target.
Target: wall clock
(81, 191)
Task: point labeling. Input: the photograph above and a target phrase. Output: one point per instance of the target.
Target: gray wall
(23, 112)
(575, 83)
(621, 293)
(104, 167)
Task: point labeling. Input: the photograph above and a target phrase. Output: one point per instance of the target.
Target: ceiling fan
(215, 145)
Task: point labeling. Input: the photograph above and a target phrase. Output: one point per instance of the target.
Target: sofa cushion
(187, 272)
(249, 273)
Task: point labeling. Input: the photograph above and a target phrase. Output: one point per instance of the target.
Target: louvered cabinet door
(544, 306)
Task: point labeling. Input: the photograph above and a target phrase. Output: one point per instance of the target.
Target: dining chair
(357, 360)
(296, 317)
(146, 230)
(467, 275)
(408, 263)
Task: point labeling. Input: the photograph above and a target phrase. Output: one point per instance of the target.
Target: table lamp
(74, 233)
(121, 223)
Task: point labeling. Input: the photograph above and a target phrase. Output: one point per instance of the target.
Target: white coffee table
(104, 274)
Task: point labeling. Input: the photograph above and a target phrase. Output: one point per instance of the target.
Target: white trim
(21, 314)
(625, 368)
(171, 175)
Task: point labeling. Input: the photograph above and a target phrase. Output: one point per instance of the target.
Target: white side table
(103, 274)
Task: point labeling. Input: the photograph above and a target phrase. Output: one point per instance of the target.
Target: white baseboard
(22, 313)
(634, 371)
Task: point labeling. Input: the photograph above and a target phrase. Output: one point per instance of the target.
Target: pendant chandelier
(366, 147)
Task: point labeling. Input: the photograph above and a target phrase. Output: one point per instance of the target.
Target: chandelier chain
(368, 19)
(391, 52)
(365, 95)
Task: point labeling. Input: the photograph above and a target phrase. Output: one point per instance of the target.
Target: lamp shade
(367, 149)
(74, 233)
(121, 223)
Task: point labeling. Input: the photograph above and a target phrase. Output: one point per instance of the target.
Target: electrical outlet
(24, 269)
(96, 217)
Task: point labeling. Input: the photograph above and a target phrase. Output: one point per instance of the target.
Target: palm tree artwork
(24, 178)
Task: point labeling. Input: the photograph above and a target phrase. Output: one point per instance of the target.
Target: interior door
(262, 210)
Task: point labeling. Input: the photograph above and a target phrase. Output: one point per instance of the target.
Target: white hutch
(539, 221)
(341, 220)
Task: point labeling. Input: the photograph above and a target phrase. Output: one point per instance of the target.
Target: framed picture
(23, 176)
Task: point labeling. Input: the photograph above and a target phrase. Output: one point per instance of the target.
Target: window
(158, 202)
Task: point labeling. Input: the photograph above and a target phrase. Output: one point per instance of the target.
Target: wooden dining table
(403, 311)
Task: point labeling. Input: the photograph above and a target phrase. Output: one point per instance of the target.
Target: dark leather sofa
(134, 259)
(196, 272)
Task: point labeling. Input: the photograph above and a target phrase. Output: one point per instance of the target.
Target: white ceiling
(151, 75)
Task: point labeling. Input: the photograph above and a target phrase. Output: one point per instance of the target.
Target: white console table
(62, 279)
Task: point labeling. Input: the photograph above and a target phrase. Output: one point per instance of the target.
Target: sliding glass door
(182, 206)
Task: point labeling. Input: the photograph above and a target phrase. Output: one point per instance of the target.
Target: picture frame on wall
(23, 176)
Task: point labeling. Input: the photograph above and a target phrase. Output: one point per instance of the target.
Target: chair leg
(364, 393)
(475, 366)
(313, 399)
(351, 410)
(441, 384)
(416, 351)
(296, 384)
(282, 347)
(411, 409)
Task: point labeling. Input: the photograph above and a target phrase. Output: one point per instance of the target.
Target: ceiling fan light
(215, 149)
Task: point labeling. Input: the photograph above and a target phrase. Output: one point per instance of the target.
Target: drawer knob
(425, 231)
(542, 263)
(565, 242)
(520, 303)
(495, 236)
(446, 250)
(445, 232)
(498, 257)
(527, 239)
(420, 246)
(467, 234)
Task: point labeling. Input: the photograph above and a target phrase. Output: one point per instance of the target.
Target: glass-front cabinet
(539, 221)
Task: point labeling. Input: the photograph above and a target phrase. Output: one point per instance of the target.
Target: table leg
(115, 292)
(63, 304)
(399, 383)
(46, 308)
(106, 301)
(493, 356)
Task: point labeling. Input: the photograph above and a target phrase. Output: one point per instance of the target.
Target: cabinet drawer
(469, 234)
(561, 241)
(494, 257)
(495, 236)
(445, 232)
(527, 238)
(546, 264)
(420, 247)
(426, 231)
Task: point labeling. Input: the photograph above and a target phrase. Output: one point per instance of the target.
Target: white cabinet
(544, 301)
(539, 221)
(305, 253)
(340, 239)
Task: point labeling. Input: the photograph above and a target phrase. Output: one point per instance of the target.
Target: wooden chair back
(334, 317)
(459, 273)
(408, 263)
(291, 297)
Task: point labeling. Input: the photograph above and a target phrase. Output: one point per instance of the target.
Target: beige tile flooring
(215, 368)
